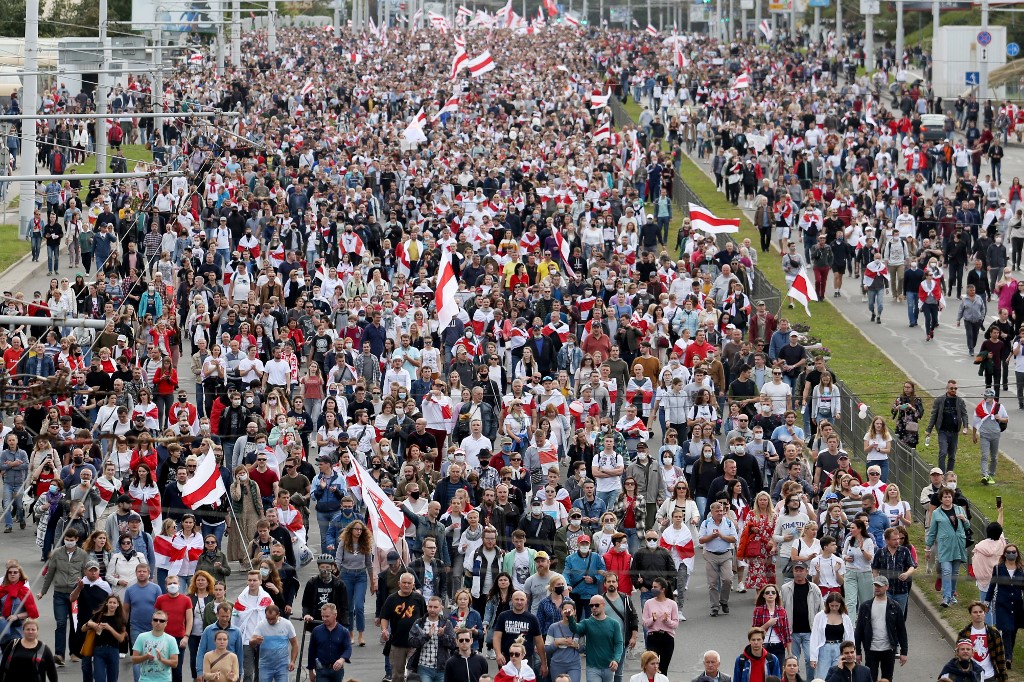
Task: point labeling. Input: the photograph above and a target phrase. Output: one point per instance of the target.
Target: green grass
(132, 152)
(876, 382)
(11, 248)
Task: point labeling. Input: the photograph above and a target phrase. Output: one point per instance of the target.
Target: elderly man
(712, 669)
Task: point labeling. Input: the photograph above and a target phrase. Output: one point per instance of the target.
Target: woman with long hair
(355, 558)
(499, 600)
(98, 549)
(895, 508)
(17, 603)
(791, 670)
(858, 551)
(1006, 595)
(200, 591)
(759, 554)
(561, 643)
(191, 539)
(878, 445)
(907, 410)
(111, 631)
(220, 665)
(830, 628)
(145, 494)
(631, 508)
(770, 616)
(661, 617)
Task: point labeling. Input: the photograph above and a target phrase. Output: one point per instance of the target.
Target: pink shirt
(654, 612)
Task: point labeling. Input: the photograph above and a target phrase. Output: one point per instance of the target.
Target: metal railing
(906, 467)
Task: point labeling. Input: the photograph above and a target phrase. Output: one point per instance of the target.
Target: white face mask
(584, 550)
(652, 544)
(173, 588)
(609, 527)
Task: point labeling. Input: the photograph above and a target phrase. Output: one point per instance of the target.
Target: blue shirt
(142, 602)
(327, 646)
(207, 643)
(726, 527)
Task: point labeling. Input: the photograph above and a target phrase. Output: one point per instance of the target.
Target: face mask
(460, 458)
(415, 495)
(1012, 556)
(375, 465)
(560, 589)
(278, 558)
(402, 396)
(77, 460)
(264, 573)
(272, 401)
(249, 401)
(584, 550)
(53, 489)
(623, 546)
(708, 455)
(243, 477)
(173, 589)
(951, 485)
(236, 403)
(400, 412)
(574, 523)
(70, 544)
(758, 437)
(766, 408)
(652, 544)
(642, 456)
(609, 528)
(667, 461)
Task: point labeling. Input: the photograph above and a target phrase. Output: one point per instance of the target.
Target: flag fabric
(481, 64)
(599, 101)
(354, 57)
(308, 87)
(149, 496)
(563, 250)
(801, 290)
(177, 554)
(704, 220)
(460, 62)
(677, 57)
(572, 21)
(444, 296)
(876, 268)
(386, 520)
(450, 107)
(679, 543)
(550, 6)
(651, 31)
(206, 487)
(766, 29)
(107, 490)
(742, 81)
(196, 59)
(602, 132)
(869, 113)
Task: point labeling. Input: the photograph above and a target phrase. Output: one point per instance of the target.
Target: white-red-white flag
(600, 101)
(386, 520)
(459, 63)
(308, 87)
(206, 487)
(481, 64)
(444, 295)
(196, 59)
(572, 21)
(742, 81)
(450, 107)
(354, 57)
(704, 220)
(651, 31)
(563, 250)
(801, 290)
(766, 29)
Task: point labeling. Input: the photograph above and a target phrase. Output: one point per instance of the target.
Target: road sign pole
(899, 34)
(983, 61)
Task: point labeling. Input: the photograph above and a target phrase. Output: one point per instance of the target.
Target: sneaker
(490, 655)
(725, 608)
(742, 589)
(58, 661)
(984, 480)
(954, 600)
(714, 612)
(945, 604)
(22, 522)
(75, 659)
(872, 317)
(8, 529)
(681, 616)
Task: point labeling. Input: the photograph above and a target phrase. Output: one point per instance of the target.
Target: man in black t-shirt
(509, 625)
(400, 611)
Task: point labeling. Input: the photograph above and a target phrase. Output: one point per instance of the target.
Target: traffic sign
(984, 37)
(972, 78)
(1012, 49)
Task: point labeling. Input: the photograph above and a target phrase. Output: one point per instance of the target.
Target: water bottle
(928, 440)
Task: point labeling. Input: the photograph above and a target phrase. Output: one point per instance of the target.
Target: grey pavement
(930, 364)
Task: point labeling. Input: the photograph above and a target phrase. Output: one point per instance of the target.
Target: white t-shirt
(608, 483)
(979, 636)
(279, 372)
(827, 570)
(895, 511)
(778, 394)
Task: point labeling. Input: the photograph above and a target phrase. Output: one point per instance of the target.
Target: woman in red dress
(760, 524)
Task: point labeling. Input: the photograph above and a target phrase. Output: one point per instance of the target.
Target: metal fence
(906, 467)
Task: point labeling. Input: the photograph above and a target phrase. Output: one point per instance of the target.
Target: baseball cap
(936, 470)
(541, 555)
(91, 563)
(800, 564)
(393, 556)
(990, 393)
(134, 516)
(880, 580)
(583, 539)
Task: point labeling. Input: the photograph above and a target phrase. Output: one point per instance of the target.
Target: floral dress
(761, 569)
(907, 415)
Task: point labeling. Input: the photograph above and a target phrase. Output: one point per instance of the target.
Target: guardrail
(906, 467)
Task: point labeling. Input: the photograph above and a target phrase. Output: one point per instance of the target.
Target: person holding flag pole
(875, 284)
(206, 487)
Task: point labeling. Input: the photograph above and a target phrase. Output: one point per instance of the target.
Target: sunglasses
(515, 654)
(770, 592)
(159, 620)
(463, 640)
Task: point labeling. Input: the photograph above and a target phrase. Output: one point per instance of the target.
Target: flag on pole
(704, 220)
(600, 101)
(563, 250)
(572, 21)
(742, 81)
(386, 520)
(766, 29)
(481, 64)
(354, 57)
(308, 87)
(444, 296)
(801, 290)
(195, 59)
(651, 31)
(206, 487)
(450, 107)
(458, 64)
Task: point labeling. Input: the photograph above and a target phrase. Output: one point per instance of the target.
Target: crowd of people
(608, 403)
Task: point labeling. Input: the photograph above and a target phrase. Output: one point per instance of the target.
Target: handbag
(89, 643)
(912, 427)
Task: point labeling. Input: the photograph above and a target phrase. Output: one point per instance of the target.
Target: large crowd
(608, 403)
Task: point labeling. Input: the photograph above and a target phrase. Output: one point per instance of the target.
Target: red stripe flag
(444, 296)
(386, 520)
(206, 487)
(480, 64)
(571, 20)
(801, 290)
(706, 221)
(653, 32)
(563, 251)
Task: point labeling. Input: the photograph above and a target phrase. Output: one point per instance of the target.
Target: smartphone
(999, 501)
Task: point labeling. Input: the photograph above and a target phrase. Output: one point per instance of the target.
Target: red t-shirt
(176, 608)
(264, 481)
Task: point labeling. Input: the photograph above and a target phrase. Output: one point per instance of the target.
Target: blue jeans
(62, 614)
(323, 520)
(875, 299)
(136, 669)
(610, 497)
(828, 656)
(902, 600)
(950, 573)
(105, 664)
(355, 586)
(37, 246)
(272, 670)
(430, 674)
(12, 498)
(52, 257)
(600, 674)
(702, 503)
(802, 646)
(882, 464)
(912, 307)
(217, 530)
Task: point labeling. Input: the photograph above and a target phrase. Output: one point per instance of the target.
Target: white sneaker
(681, 616)
(742, 588)
(490, 654)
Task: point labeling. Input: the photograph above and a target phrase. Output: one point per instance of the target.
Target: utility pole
(649, 20)
(839, 21)
(869, 41)
(899, 34)
(792, 20)
(220, 38)
(816, 29)
(236, 33)
(935, 23)
(272, 26)
(101, 94)
(983, 57)
(758, 36)
(29, 102)
(337, 18)
(158, 74)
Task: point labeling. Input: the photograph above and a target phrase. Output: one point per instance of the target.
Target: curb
(932, 614)
(15, 264)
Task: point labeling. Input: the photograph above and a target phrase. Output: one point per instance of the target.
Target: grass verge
(11, 248)
(877, 381)
(132, 152)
